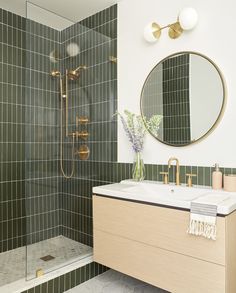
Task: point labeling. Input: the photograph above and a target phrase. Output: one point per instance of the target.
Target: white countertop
(153, 192)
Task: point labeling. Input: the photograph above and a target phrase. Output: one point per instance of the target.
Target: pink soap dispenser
(217, 178)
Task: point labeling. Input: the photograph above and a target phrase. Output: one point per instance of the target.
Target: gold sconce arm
(175, 30)
(187, 20)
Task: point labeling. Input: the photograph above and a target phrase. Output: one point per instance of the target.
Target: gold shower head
(75, 74)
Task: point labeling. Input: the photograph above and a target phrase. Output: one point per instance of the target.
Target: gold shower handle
(82, 134)
(83, 152)
(81, 120)
(79, 134)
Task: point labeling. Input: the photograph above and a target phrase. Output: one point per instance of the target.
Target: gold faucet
(177, 180)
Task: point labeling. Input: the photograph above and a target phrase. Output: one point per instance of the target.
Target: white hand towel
(203, 215)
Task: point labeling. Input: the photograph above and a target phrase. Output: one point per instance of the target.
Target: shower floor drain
(47, 258)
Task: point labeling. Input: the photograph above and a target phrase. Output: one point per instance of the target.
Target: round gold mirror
(187, 91)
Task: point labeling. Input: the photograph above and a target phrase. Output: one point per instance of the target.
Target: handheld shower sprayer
(72, 75)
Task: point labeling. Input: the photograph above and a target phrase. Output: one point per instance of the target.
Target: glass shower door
(49, 243)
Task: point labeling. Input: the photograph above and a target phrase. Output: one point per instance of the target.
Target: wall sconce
(187, 20)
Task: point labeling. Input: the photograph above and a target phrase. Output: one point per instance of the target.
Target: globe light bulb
(188, 18)
(152, 32)
(72, 49)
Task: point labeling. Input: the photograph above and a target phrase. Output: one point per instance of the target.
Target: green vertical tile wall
(12, 146)
(28, 133)
(69, 280)
(176, 106)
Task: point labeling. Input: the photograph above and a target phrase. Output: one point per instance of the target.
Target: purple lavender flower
(135, 130)
(136, 127)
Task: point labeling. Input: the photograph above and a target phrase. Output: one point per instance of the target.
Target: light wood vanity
(150, 243)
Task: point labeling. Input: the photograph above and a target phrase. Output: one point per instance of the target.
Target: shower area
(57, 136)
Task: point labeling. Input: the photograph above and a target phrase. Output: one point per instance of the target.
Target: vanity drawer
(157, 226)
(165, 269)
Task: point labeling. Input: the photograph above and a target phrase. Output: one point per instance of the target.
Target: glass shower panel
(52, 239)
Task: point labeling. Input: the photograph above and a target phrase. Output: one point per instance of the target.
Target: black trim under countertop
(154, 204)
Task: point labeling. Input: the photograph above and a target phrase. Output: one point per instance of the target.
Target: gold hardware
(82, 134)
(190, 176)
(55, 73)
(187, 20)
(83, 152)
(175, 30)
(177, 180)
(39, 273)
(67, 103)
(81, 120)
(113, 59)
(156, 30)
(79, 134)
(75, 74)
(165, 177)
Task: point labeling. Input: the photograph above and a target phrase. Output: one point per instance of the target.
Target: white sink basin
(167, 195)
(170, 192)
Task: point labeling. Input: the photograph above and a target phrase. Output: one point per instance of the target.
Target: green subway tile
(62, 283)
(67, 281)
(183, 174)
(73, 279)
(195, 178)
(82, 274)
(50, 286)
(200, 176)
(78, 276)
(56, 285)
(207, 177)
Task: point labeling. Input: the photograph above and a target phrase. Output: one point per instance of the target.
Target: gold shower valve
(82, 134)
(81, 120)
(83, 152)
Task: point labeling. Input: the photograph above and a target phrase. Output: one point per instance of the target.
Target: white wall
(212, 37)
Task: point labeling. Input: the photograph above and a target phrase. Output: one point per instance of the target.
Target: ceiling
(73, 10)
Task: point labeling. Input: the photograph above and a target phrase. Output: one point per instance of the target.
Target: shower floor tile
(64, 251)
